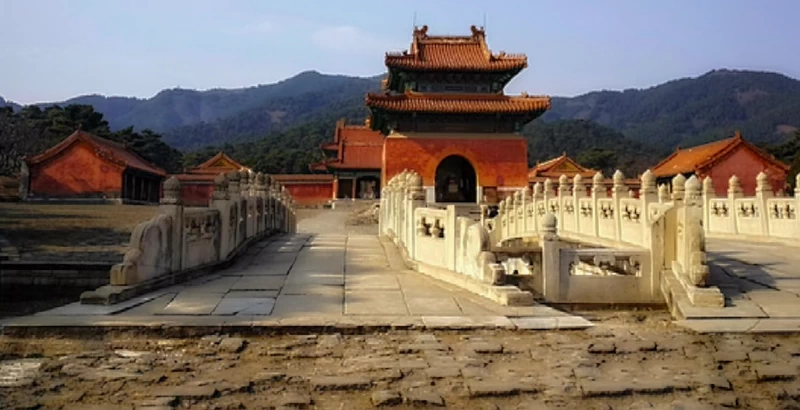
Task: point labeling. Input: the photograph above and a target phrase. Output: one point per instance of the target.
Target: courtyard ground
(625, 362)
(57, 232)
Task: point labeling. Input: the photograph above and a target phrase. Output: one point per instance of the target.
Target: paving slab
(252, 294)
(386, 281)
(193, 303)
(312, 289)
(298, 305)
(259, 283)
(232, 306)
(374, 302)
(441, 306)
(77, 309)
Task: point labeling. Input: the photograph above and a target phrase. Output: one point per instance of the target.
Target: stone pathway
(761, 284)
(322, 279)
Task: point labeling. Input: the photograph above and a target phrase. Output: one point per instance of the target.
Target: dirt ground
(50, 232)
(629, 361)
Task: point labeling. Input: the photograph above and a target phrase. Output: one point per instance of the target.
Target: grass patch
(51, 232)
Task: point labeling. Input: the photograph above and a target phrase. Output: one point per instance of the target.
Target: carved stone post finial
(172, 192)
(692, 188)
(220, 187)
(708, 186)
(678, 186)
(663, 193)
(597, 184)
(549, 224)
(762, 183)
(734, 187)
(233, 183)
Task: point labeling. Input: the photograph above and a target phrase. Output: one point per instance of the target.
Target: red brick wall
(74, 172)
(196, 194)
(311, 193)
(497, 162)
(746, 165)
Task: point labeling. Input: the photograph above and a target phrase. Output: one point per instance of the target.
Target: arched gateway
(455, 180)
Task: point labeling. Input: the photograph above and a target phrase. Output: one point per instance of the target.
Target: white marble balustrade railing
(762, 217)
(244, 205)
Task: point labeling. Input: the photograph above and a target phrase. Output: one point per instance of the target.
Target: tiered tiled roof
(458, 103)
(555, 167)
(453, 53)
(357, 147)
(111, 151)
(684, 161)
(207, 171)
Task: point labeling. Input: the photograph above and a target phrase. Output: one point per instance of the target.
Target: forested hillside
(764, 106)
(278, 127)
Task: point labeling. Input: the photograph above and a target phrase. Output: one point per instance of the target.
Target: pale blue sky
(56, 49)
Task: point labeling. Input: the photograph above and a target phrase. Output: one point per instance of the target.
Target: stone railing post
(578, 192)
(663, 194)
(450, 237)
(797, 206)
(525, 198)
(502, 221)
(648, 193)
(618, 191)
(536, 200)
(512, 207)
(416, 199)
(763, 193)
(598, 191)
(220, 202)
(551, 258)
(708, 195)
(652, 230)
(734, 192)
(547, 194)
(234, 198)
(172, 206)
(563, 197)
(261, 199)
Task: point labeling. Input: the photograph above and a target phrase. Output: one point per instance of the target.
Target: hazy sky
(56, 49)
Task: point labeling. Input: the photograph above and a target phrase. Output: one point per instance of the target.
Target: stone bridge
(716, 263)
(719, 264)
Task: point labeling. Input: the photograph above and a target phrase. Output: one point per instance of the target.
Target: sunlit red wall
(77, 171)
(746, 165)
(497, 162)
(310, 193)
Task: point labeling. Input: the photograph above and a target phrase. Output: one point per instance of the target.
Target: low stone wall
(244, 207)
(443, 244)
(763, 217)
(62, 274)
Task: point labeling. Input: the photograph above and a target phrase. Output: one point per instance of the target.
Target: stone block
(773, 372)
(386, 398)
(340, 383)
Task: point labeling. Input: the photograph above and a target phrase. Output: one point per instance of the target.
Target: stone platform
(761, 284)
(309, 280)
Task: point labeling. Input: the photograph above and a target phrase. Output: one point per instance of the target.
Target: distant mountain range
(764, 106)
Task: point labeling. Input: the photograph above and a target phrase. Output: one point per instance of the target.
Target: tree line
(32, 130)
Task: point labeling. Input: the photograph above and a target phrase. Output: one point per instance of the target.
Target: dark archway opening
(368, 188)
(455, 180)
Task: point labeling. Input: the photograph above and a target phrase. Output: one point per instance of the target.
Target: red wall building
(87, 166)
(307, 190)
(197, 184)
(354, 160)
(721, 160)
(444, 115)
